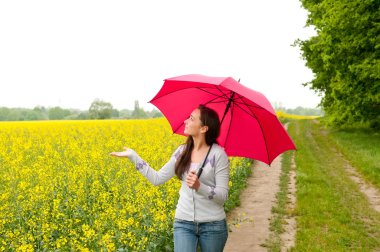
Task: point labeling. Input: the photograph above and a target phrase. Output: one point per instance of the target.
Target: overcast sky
(67, 53)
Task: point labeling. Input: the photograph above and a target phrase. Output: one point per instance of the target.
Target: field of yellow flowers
(61, 190)
(284, 117)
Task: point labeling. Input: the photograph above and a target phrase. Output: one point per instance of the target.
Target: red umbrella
(249, 125)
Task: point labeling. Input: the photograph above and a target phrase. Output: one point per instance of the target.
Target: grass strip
(361, 147)
(279, 210)
(332, 214)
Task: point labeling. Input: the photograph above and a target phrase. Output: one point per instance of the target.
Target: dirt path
(371, 192)
(249, 223)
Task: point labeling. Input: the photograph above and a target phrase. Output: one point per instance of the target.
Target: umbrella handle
(200, 172)
(204, 161)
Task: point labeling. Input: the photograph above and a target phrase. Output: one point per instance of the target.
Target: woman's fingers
(191, 176)
(191, 179)
(124, 153)
(193, 173)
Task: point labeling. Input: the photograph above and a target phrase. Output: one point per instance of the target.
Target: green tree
(345, 58)
(155, 113)
(58, 113)
(38, 113)
(304, 111)
(115, 113)
(15, 115)
(125, 113)
(100, 109)
(4, 113)
(138, 112)
(82, 116)
(31, 115)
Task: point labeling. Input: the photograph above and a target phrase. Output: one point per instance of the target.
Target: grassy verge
(362, 148)
(239, 182)
(279, 210)
(332, 215)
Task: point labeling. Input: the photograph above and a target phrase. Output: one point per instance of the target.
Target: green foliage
(115, 113)
(138, 112)
(4, 113)
(22, 114)
(100, 109)
(345, 58)
(58, 113)
(305, 111)
(302, 111)
(38, 113)
(239, 183)
(154, 113)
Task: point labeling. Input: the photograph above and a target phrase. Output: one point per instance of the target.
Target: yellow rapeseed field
(283, 115)
(61, 190)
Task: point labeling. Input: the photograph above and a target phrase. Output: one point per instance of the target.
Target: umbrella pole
(228, 106)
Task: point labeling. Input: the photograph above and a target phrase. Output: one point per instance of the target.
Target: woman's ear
(204, 129)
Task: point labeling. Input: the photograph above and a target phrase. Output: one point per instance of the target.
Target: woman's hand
(192, 180)
(126, 153)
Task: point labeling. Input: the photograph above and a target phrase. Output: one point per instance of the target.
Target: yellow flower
(59, 179)
(88, 231)
(25, 248)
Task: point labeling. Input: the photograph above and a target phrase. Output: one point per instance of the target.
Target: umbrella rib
(242, 102)
(227, 97)
(247, 105)
(178, 90)
(250, 113)
(235, 100)
(265, 141)
(214, 101)
(244, 110)
(223, 95)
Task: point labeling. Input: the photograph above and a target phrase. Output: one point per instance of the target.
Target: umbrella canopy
(249, 125)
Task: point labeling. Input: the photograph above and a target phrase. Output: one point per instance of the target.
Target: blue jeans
(212, 236)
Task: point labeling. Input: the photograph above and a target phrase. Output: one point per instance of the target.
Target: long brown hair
(208, 118)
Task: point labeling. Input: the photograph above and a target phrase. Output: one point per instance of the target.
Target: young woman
(199, 215)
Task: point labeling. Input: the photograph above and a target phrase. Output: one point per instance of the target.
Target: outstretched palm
(126, 153)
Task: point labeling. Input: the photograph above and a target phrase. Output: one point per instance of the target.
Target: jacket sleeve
(219, 193)
(156, 177)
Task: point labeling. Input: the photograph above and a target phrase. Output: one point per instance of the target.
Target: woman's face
(193, 124)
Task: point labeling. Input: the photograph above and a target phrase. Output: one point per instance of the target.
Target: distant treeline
(318, 111)
(98, 110)
(104, 110)
(303, 111)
